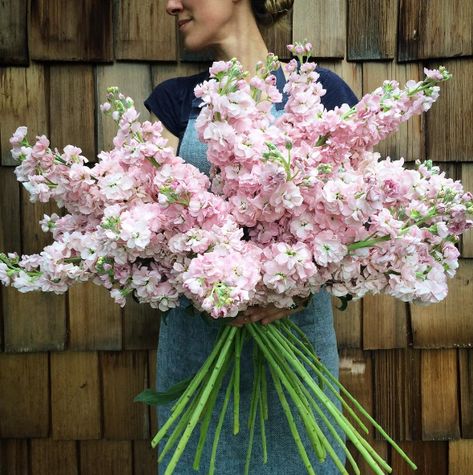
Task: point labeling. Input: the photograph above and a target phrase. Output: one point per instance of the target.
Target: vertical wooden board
(431, 458)
(99, 457)
(439, 390)
(467, 180)
(348, 323)
(22, 102)
(144, 458)
(75, 396)
(371, 29)
(152, 371)
(134, 80)
(72, 107)
(460, 457)
(278, 37)
(448, 131)
(351, 73)
(71, 31)
(13, 32)
(447, 323)
(408, 141)
(140, 326)
(397, 392)
(58, 457)
(357, 376)
(10, 239)
(384, 322)
(323, 23)
(124, 375)
(435, 29)
(94, 319)
(162, 72)
(466, 392)
(14, 457)
(24, 395)
(144, 31)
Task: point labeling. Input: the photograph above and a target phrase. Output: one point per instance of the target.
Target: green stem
(261, 410)
(230, 335)
(186, 396)
(221, 418)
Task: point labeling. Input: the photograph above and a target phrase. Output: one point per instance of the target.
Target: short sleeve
(164, 103)
(338, 91)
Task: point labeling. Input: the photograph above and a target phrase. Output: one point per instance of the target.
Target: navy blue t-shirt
(171, 101)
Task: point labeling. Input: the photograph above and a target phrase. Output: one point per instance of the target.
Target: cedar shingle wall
(70, 365)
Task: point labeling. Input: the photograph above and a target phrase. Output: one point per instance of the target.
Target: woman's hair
(269, 12)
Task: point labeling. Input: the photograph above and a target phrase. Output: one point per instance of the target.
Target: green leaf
(154, 398)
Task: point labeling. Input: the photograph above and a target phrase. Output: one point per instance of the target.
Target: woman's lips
(181, 23)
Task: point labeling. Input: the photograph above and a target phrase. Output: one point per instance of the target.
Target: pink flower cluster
(319, 207)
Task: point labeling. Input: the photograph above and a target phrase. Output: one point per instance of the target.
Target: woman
(231, 29)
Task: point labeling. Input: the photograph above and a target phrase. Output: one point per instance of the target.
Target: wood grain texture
(10, 240)
(99, 457)
(137, 25)
(460, 457)
(448, 133)
(152, 371)
(34, 321)
(24, 395)
(72, 108)
(134, 80)
(348, 323)
(384, 322)
(161, 72)
(71, 31)
(94, 319)
(58, 457)
(75, 396)
(140, 326)
(465, 360)
(356, 374)
(124, 375)
(144, 458)
(277, 38)
(13, 32)
(435, 29)
(323, 23)
(447, 323)
(14, 455)
(371, 29)
(351, 73)
(439, 389)
(467, 180)
(397, 392)
(431, 458)
(408, 141)
(22, 102)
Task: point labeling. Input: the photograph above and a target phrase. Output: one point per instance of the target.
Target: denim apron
(186, 340)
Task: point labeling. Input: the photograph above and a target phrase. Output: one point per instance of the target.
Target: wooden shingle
(431, 458)
(328, 39)
(144, 458)
(14, 456)
(348, 323)
(13, 32)
(371, 30)
(467, 180)
(99, 457)
(71, 31)
(58, 457)
(144, 31)
(24, 395)
(465, 360)
(140, 326)
(124, 376)
(435, 29)
(439, 390)
(75, 396)
(460, 457)
(448, 131)
(10, 240)
(447, 323)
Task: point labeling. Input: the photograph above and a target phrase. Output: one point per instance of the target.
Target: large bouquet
(294, 204)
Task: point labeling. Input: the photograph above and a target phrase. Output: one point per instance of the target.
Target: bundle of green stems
(282, 351)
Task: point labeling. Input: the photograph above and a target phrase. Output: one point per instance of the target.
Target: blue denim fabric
(184, 343)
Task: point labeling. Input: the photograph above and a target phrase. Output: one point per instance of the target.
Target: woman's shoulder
(338, 91)
(171, 100)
